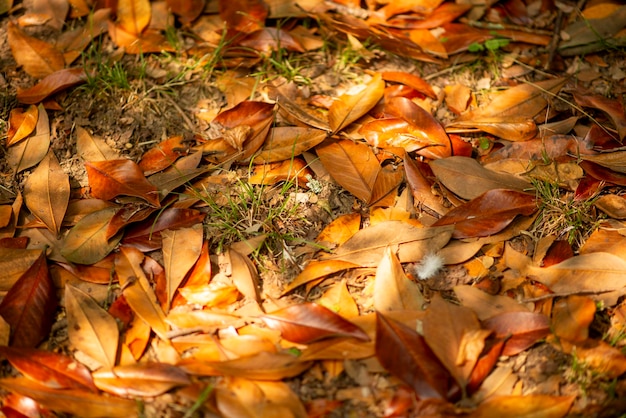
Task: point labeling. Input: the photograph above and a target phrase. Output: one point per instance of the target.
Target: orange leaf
(253, 19)
(353, 165)
(51, 84)
(162, 155)
(51, 369)
(410, 80)
(133, 15)
(145, 379)
(285, 142)
(571, 317)
(523, 329)
(181, 249)
(33, 149)
(112, 178)
(21, 124)
(528, 406)
(309, 322)
(348, 108)
(87, 242)
(37, 57)
(29, 305)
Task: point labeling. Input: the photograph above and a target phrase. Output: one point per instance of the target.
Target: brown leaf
(353, 165)
(348, 108)
(507, 127)
(340, 230)
(393, 290)
(244, 275)
(91, 329)
(91, 148)
(284, 143)
(33, 149)
(271, 39)
(21, 124)
(182, 172)
(76, 402)
(598, 273)
(522, 330)
(488, 213)
(187, 11)
(447, 329)
(137, 290)
(615, 160)
(468, 179)
(51, 84)
(292, 170)
(112, 178)
(611, 107)
(47, 193)
(181, 249)
(599, 355)
(485, 305)
(13, 264)
(87, 242)
(308, 322)
(54, 370)
(527, 406)
(29, 305)
(405, 354)
(144, 379)
(37, 57)
(366, 247)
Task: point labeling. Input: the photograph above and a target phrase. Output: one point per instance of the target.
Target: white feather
(429, 266)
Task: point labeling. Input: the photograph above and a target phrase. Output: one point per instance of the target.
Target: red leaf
(162, 155)
(405, 354)
(488, 213)
(112, 178)
(523, 329)
(410, 80)
(243, 15)
(51, 369)
(309, 322)
(29, 305)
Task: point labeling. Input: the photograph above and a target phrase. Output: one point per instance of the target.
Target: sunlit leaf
(145, 379)
(91, 329)
(112, 178)
(51, 369)
(393, 290)
(181, 249)
(21, 124)
(51, 84)
(92, 148)
(528, 406)
(133, 15)
(38, 58)
(47, 193)
(308, 322)
(286, 142)
(522, 330)
(33, 149)
(87, 241)
(348, 108)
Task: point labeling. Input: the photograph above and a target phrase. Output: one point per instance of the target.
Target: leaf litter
(312, 209)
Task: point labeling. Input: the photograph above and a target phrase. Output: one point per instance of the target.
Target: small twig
(565, 294)
(554, 43)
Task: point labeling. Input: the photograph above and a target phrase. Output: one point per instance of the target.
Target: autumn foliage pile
(123, 268)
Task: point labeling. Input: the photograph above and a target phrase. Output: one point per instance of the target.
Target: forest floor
(466, 237)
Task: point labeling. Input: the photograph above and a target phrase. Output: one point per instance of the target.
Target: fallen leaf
(468, 179)
(38, 58)
(308, 322)
(76, 402)
(112, 178)
(47, 193)
(162, 155)
(410, 80)
(393, 290)
(21, 124)
(87, 241)
(348, 108)
(405, 354)
(144, 379)
(522, 330)
(34, 148)
(181, 249)
(528, 406)
(571, 317)
(488, 213)
(315, 270)
(284, 143)
(91, 329)
(29, 305)
(133, 15)
(91, 148)
(51, 84)
(53, 370)
(252, 20)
